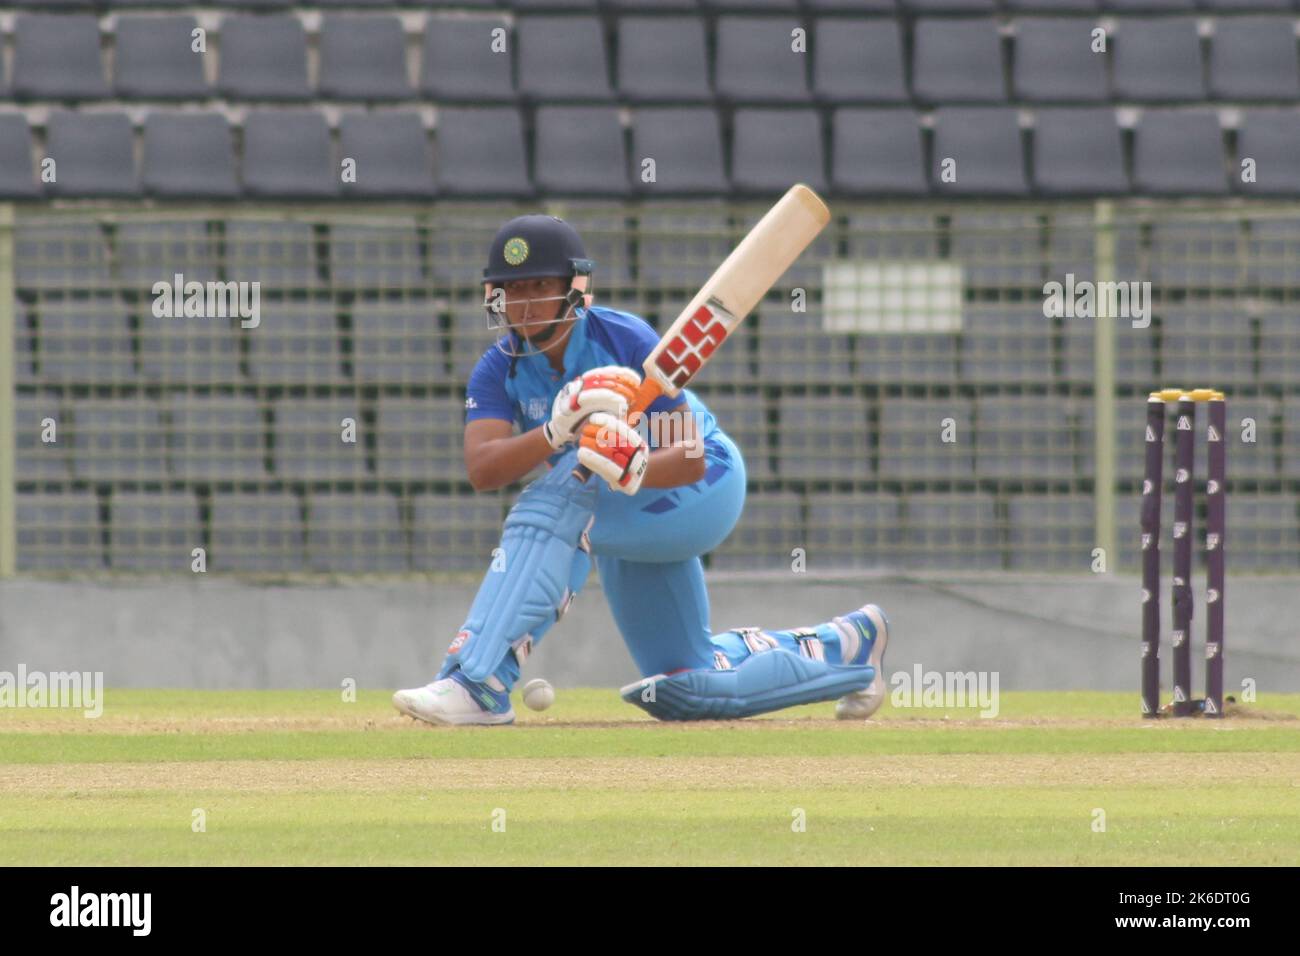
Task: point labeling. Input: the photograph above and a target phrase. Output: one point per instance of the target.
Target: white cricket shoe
(861, 704)
(450, 701)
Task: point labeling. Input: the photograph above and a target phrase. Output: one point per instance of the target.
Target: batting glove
(608, 389)
(612, 449)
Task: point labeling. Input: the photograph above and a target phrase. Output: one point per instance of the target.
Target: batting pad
(769, 681)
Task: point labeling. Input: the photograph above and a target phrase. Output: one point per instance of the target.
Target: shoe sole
(875, 691)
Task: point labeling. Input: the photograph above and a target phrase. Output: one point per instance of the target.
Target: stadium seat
(459, 63)
(94, 155)
(154, 59)
(755, 62)
(743, 416)
(1054, 61)
(548, 70)
(118, 439)
(257, 533)
(985, 144)
(58, 532)
(153, 531)
(263, 58)
(877, 152)
(24, 343)
(57, 58)
(950, 531)
(1078, 152)
(189, 156)
(822, 438)
(189, 351)
(1263, 532)
(605, 236)
(34, 459)
(853, 530)
(1190, 334)
(1254, 58)
(1236, 6)
(1257, 459)
(957, 61)
(84, 341)
(363, 58)
(396, 343)
(1272, 139)
(420, 439)
(1158, 60)
(279, 255)
(1135, 353)
(997, 249)
(480, 153)
(895, 235)
(652, 6)
(580, 151)
(309, 443)
(1196, 252)
(911, 445)
(1279, 362)
(928, 358)
(1291, 420)
(296, 344)
(17, 180)
(686, 146)
(858, 61)
(376, 257)
(772, 148)
(795, 349)
(1050, 532)
(452, 533)
(1179, 153)
(680, 249)
(1020, 439)
(61, 255)
(287, 156)
(663, 59)
(216, 438)
(769, 530)
(733, 6)
(1052, 6)
(1147, 6)
(1002, 344)
(351, 533)
(188, 247)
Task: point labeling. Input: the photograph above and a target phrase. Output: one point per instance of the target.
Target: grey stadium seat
(1179, 153)
(296, 344)
(877, 152)
(686, 145)
(256, 4)
(1054, 61)
(154, 59)
(769, 530)
(392, 154)
(822, 438)
(772, 148)
(1188, 336)
(1078, 152)
(355, 533)
(794, 348)
(744, 418)
(58, 58)
(680, 249)
(911, 439)
(1279, 361)
(216, 438)
(892, 235)
(1273, 254)
(526, 5)
(280, 255)
(985, 142)
(287, 155)
(454, 533)
(420, 439)
(1263, 532)
(189, 351)
(118, 439)
(480, 152)
(605, 235)
(459, 64)
(146, 249)
(947, 6)
(309, 443)
(34, 459)
(853, 530)
(1196, 253)
(1272, 139)
(153, 531)
(24, 343)
(1050, 533)
(920, 357)
(1006, 343)
(396, 343)
(663, 58)
(1013, 442)
(1256, 459)
(375, 256)
(85, 341)
(548, 71)
(61, 256)
(257, 533)
(1291, 421)
(957, 61)
(653, 6)
(1254, 58)
(851, 6)
(363, 58)
(1236, 6)
(1153, 6)
(263, 58)
(951, 531)
(17, 180)
(58, 532)
(1052, 6)
(858, 61)
(1135, 353)
(755, 63)
(580, 151)
(189, 155)
(94, 155)
(1158, 60)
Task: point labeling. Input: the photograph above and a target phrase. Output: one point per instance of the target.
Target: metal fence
(914, 394)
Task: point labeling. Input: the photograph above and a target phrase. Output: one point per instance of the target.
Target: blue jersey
(600, 336)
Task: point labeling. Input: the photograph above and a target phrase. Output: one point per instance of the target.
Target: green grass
(296, 777)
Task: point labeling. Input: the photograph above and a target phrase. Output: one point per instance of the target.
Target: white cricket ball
(538, 694)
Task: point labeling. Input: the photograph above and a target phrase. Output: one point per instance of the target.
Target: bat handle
(650, 390)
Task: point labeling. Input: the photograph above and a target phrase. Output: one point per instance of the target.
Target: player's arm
(680, 458)
(494, 456)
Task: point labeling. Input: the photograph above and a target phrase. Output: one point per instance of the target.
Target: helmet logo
(516, 251)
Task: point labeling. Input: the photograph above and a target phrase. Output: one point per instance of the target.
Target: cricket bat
(729, 295)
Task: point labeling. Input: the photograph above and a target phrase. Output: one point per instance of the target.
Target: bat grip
(648, 391)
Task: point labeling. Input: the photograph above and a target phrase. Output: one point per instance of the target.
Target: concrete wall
(1038, 633)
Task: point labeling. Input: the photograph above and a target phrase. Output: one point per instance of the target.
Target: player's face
(532, 305)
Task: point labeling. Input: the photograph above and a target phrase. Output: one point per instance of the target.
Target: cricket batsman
(659, 497)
